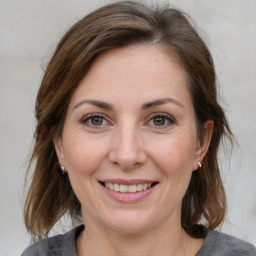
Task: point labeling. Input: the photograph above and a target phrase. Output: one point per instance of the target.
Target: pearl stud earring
(62, 169)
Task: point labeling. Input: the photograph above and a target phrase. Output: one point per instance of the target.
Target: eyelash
(89, 118)
(166, 117)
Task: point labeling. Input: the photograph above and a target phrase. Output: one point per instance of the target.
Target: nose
(127, 149)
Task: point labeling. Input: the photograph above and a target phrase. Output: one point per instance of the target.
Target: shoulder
(220, 244)
(48, 246)
(56, 246)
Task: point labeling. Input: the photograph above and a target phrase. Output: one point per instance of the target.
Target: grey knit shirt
(216, 244)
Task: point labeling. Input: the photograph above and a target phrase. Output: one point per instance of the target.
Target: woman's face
(129, 141)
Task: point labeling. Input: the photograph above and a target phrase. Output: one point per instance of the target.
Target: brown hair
(124, 23)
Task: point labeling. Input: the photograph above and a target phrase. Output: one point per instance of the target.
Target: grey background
(29, 30)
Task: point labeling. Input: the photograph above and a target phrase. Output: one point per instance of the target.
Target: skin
(127, 138)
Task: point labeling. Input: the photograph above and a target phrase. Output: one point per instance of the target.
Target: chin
(129, 223)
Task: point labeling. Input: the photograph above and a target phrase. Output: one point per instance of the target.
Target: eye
(161, 120)
(95, 120)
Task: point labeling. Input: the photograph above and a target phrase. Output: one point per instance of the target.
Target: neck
(165, 240)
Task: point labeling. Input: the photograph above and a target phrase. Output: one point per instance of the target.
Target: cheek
(82, 156)
(174, 154)
(174, 159)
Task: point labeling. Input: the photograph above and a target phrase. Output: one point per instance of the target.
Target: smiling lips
(123, 188)
(131, 191)
(128, 191)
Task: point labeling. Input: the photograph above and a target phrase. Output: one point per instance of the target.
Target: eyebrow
(105, 105)
(159, 102)
(97, 103)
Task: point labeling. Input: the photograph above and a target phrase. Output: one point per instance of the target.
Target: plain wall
(29, 31)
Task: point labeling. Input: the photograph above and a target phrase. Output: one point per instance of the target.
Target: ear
(58, 145)
(202, 146)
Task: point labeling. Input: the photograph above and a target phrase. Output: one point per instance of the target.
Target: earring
(62, 169)
(199, 164)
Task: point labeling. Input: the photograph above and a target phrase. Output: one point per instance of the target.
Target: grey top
(216, 244)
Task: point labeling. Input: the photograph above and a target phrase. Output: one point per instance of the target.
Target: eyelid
(87, 117)
(169, 117)
(161, 114)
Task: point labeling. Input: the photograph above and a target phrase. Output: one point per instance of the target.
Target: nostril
(126, 160)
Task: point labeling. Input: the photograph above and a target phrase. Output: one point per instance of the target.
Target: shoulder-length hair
(120, 24)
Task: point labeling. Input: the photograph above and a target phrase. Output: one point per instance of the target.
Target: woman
(127, 138)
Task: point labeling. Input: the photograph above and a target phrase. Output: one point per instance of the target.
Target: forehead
(140, 71)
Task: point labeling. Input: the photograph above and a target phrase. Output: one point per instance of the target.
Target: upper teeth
(127, 188)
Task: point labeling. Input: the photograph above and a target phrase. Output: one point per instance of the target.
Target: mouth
(128, 188)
